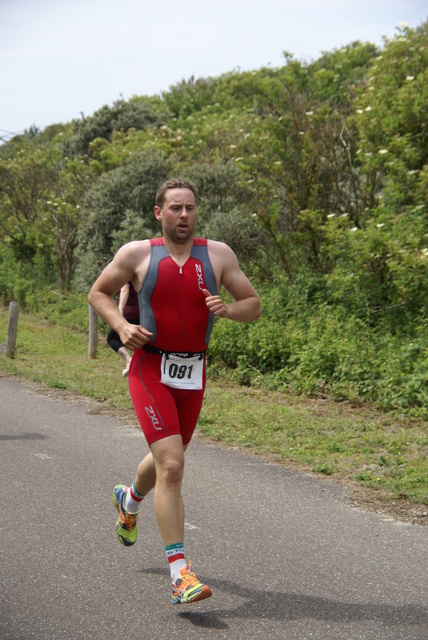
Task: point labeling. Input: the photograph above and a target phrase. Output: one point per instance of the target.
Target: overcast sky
(61, 58)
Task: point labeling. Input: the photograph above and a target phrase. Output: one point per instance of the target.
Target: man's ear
(158, 213)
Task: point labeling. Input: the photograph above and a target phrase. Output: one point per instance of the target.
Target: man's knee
(168, 454)
(172, 469)
(170, 466)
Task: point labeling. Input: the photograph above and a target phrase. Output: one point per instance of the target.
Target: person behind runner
(178, 279)
(127, 303)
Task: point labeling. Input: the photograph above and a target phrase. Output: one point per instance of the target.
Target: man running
(178, 279)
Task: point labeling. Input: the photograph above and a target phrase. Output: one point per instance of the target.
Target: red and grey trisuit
(173, 309)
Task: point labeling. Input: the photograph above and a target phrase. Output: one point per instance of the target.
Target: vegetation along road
(381, 458)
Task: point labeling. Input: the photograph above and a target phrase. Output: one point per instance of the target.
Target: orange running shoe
(188, 588)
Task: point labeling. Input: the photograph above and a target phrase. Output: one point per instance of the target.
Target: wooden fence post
(93, 333)
(12, 329)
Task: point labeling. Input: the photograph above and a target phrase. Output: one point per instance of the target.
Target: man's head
(173, 183)
(176, 210)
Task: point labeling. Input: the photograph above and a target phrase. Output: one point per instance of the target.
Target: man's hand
(134, 336)
(215, 304)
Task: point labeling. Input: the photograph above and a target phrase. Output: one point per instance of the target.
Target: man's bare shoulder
(221, 253)
(223, 260)
(219, 248)
(135, 248)
(134, 257)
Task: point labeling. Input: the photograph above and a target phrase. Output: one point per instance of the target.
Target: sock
(175, 556)
(133, 499)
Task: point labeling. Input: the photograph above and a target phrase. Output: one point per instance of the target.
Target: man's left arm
(246, 305)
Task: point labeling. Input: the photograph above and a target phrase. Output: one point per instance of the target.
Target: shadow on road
(22, 436)
(259, 603)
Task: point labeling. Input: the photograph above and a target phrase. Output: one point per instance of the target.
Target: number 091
(180, 372)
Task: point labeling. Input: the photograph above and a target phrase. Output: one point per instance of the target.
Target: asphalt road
(284, 553)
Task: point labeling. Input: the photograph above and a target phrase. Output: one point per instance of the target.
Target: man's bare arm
(245, 310)
(114, 276)
(246, 306)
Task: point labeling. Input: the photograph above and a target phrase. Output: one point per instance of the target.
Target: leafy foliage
(137, 113)
(119, 205)
(315, 173)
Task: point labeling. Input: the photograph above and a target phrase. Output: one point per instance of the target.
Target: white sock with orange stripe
(176, 560)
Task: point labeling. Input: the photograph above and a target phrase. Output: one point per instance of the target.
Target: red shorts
(162, 411)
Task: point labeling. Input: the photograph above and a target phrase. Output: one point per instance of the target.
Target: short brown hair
(173, 183)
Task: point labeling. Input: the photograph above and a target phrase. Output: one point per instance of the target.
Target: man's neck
(179, 252)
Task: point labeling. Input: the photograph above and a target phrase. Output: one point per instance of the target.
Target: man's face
(178, 215)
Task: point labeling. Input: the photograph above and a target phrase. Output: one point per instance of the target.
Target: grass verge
(357, 446)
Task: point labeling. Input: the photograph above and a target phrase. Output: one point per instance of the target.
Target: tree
(138, 113)
(114, 209)
(306, 170)
(42, 195)
(25, 181)
(387, 253)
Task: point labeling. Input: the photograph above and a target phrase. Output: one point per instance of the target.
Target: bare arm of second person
(123, 297)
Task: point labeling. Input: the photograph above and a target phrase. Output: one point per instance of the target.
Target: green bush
(321, 349)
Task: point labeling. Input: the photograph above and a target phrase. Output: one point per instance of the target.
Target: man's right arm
(120, 270)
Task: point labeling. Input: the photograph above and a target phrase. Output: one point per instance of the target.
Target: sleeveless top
(172, 304)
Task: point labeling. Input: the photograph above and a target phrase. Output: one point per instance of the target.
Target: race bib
(181, 371)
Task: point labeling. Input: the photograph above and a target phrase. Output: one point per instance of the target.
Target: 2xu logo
(200, 275)
(152, 415)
